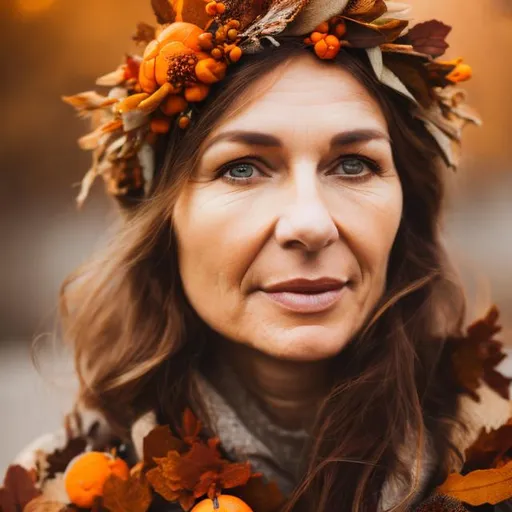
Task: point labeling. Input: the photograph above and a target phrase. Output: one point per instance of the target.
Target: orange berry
(211, 8)
(328, 48)
(217, 53)
(307, 40)
(221, 8)
(233, 24)
(232, 34)
(316, 36)
(205, 41)
(160, 125)
(226, 504)
(235, 54)
(340, 29)
(197, 92)
(183, 122)
(323, 27)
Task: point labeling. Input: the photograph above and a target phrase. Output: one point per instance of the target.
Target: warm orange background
(54, 47)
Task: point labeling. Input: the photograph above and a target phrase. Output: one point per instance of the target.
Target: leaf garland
(429, 38)
(474, 357)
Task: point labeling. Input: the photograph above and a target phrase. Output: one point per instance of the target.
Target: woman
(281, 275)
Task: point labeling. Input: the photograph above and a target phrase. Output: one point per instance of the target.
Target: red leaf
(132, 495)
(158, 443)
(429, 37)
(18, 490)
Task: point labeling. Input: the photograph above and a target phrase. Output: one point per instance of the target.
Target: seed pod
(211, 8)
(235, 54)
(232, 34)
(183, 122)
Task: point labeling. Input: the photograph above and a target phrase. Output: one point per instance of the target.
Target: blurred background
(55, 47)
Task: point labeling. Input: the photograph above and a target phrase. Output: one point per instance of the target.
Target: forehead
(304, 96)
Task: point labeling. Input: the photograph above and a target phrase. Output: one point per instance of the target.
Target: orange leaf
(191, 427)
(481, 486)
(132, 495)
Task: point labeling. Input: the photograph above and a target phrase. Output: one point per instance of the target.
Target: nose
(305, 221)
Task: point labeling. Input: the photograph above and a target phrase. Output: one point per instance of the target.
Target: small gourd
(223, 503)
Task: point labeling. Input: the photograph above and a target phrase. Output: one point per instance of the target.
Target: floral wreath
(187, 470)
(194, 43)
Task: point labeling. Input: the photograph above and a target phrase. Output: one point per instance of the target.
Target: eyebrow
(264, 139)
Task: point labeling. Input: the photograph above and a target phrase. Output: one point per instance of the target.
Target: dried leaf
(260, 495)
(275, 20)
(429, 37)
(59, 459)
(412, 72)
(164, 11)
(89, 100)
(18, 490)
(365, 10)
(43, 504)
(191, 427)
(481, 486)
(491, 450)
(363, 35)
(144, 34)
(132, 495)
(158, 443)
(475, 356)
(192, 11)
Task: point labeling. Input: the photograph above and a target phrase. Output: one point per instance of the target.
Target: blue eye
(240, 171)
(353, 166)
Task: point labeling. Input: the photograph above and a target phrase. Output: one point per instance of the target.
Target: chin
(303, 343)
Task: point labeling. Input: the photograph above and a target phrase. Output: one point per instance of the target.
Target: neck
(289, 392)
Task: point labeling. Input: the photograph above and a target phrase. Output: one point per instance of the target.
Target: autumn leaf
(164, 11)
(191, 427)
(429, 37)
(365, 10)
(158, 443)
(260, 495)
(475, 356)
(43, 504)
(18, 489)
(481, 486)
(58, 460)
(144, 33)
(131, 495)
(491, 449)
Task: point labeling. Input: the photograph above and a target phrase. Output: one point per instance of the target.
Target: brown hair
(137, 339)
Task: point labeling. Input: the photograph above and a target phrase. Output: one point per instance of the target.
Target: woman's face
(285, 231)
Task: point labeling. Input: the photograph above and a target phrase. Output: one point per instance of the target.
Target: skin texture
(301, 216)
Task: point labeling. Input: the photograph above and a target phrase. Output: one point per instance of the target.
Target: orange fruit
(86, 474)
(226, 504)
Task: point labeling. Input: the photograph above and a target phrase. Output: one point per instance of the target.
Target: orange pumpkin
(86, 474)
(226, 504)
(179, 38)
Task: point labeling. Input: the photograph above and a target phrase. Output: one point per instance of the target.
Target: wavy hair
(137, 340)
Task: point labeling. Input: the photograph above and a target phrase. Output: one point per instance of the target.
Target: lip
(306, 295)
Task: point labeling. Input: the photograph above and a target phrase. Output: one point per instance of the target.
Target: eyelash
(370, 163)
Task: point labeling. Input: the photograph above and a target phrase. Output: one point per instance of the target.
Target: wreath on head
(194, 43)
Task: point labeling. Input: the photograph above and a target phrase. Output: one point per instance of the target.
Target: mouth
(306, 296)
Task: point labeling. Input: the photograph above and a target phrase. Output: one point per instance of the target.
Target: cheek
(212, 252)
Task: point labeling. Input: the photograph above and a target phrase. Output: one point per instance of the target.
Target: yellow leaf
(481, 486)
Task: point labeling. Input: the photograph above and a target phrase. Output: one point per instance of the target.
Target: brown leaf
(164, 11)
(491, 449)
(132, 495)
(191, 427)
(144, 34)
(429, 37)
(43, 504)
(481, 486)
(363, 35)
(475, 356)
(158, 443)
(365, 10)
(192, 11)
(18, 489)
(412, 72)
(59, 459)
(260, 495)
